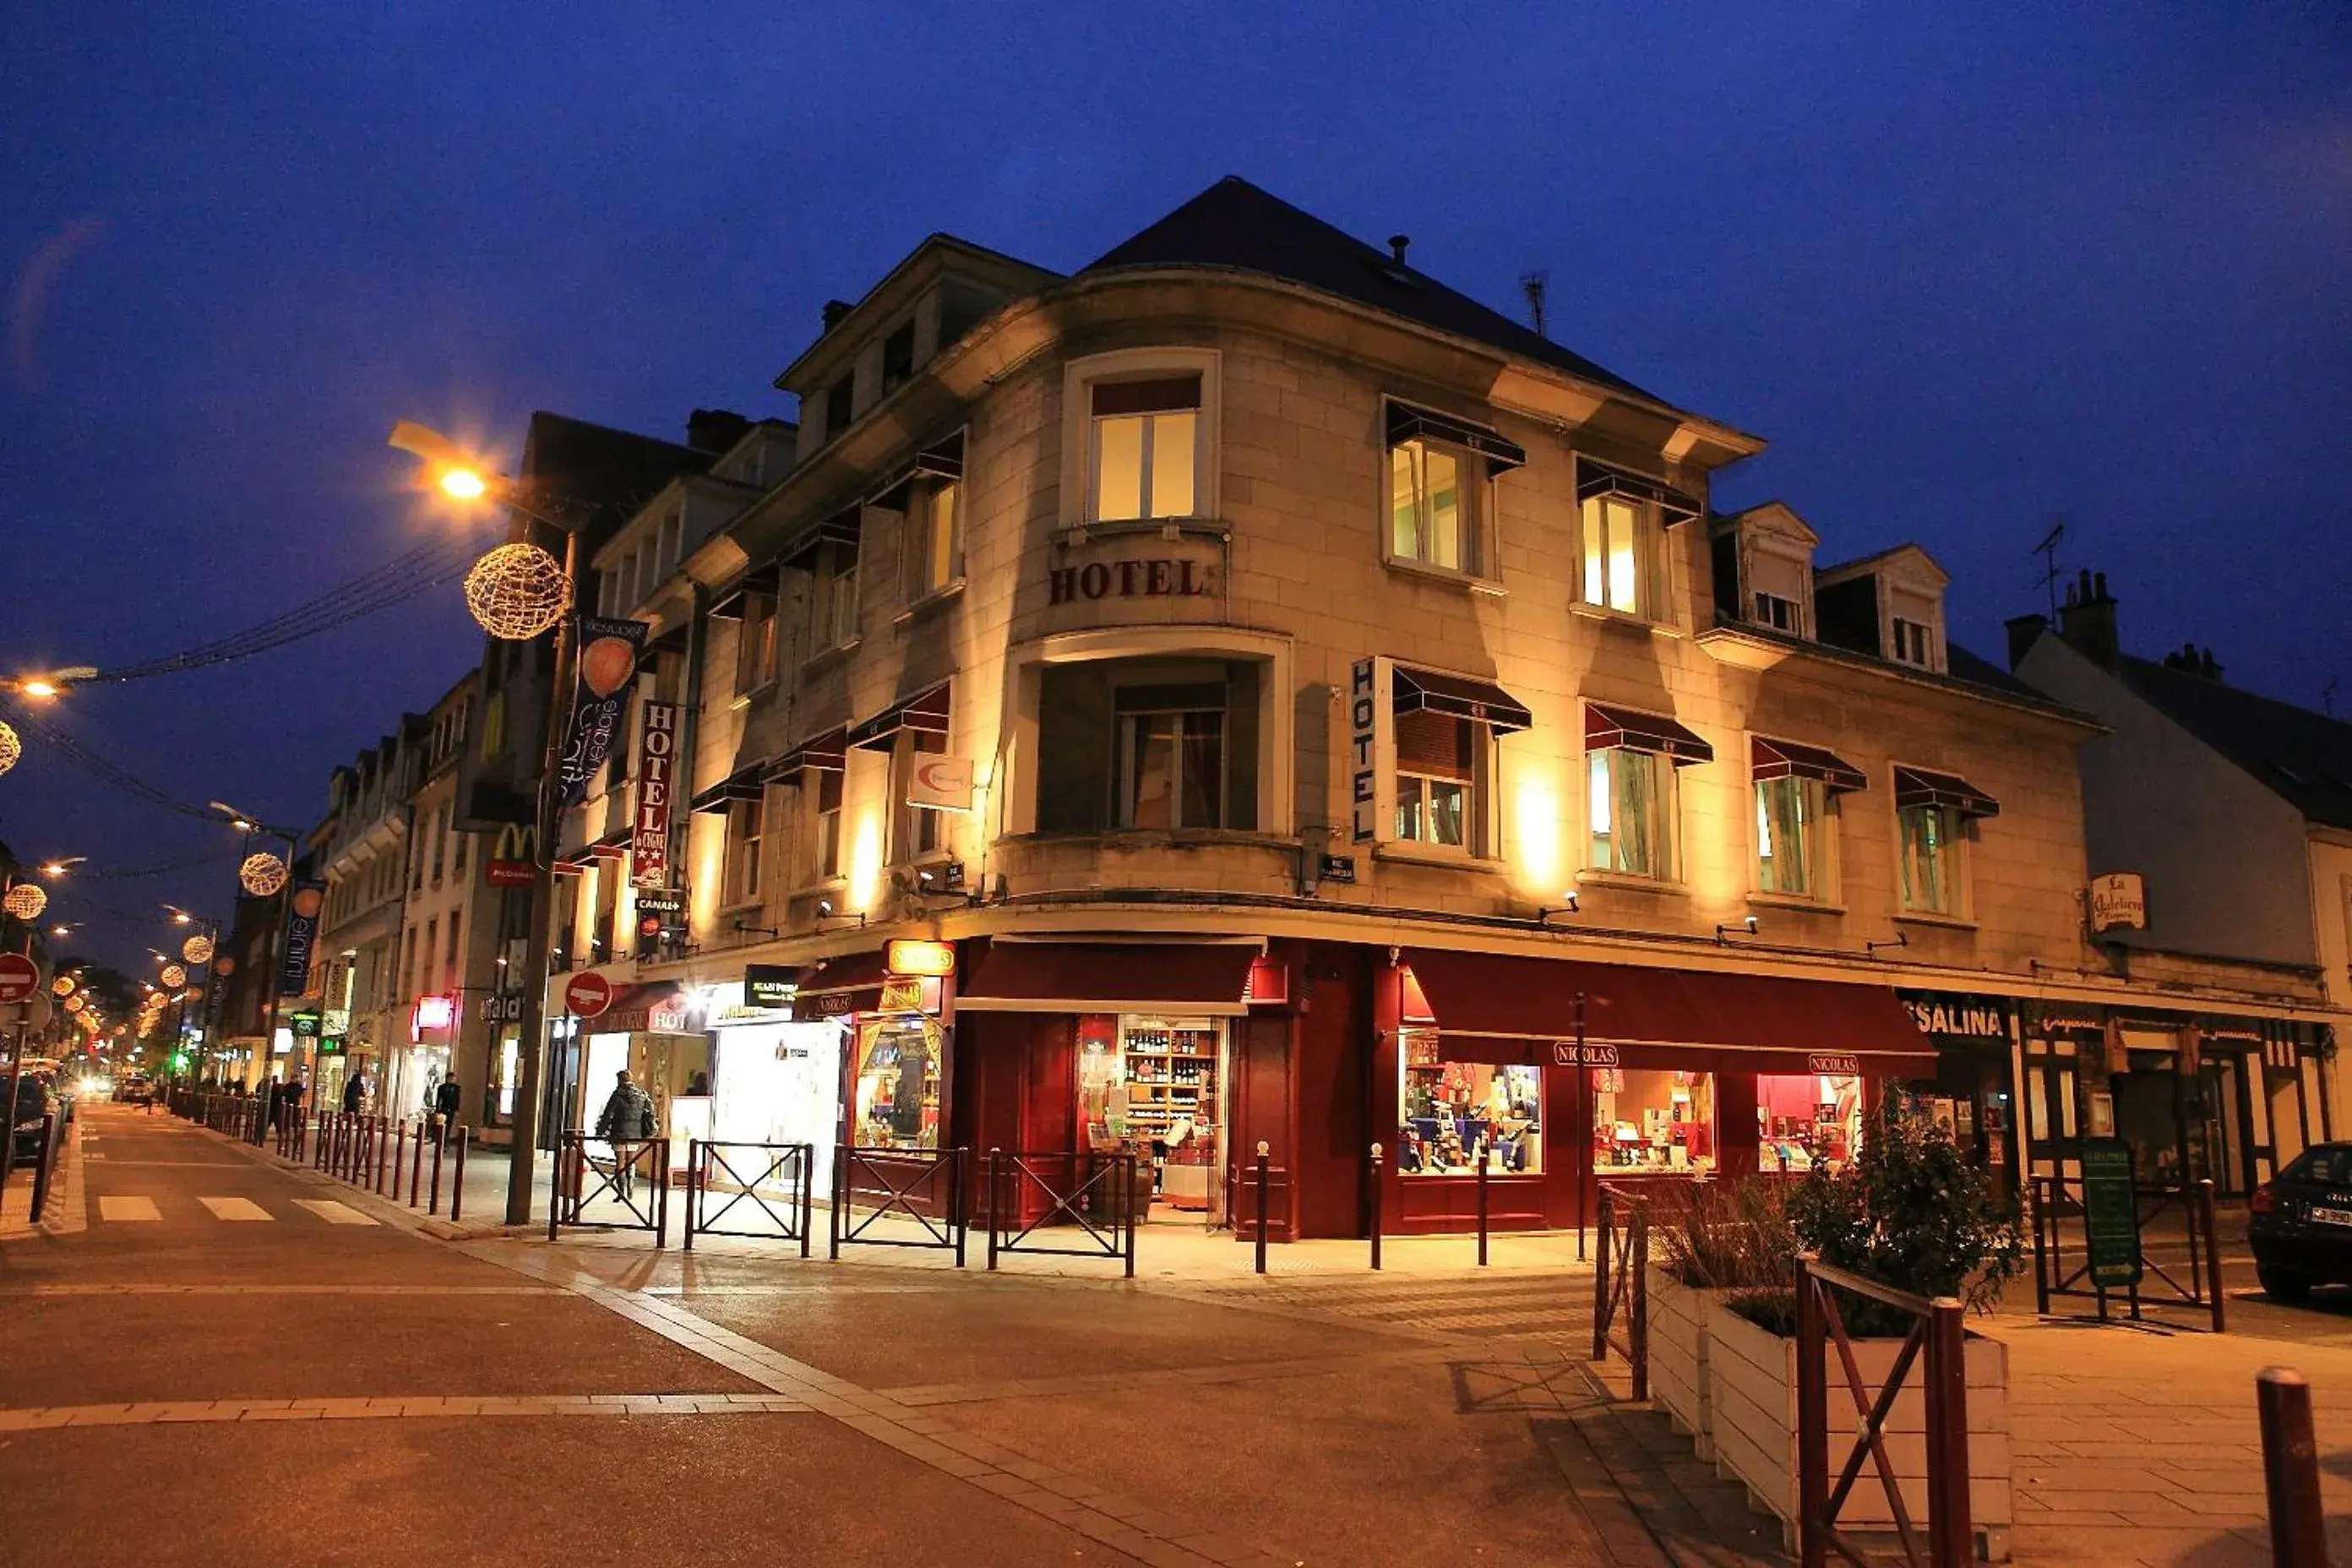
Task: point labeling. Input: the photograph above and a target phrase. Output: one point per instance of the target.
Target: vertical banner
(1363, 752)
(607, 663)
(304, 899)
(657, 770)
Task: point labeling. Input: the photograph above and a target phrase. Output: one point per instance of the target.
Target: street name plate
(2110, 1212)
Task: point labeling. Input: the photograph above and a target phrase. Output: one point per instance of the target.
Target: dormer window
(899, 358)
(1764, 570)
(1780, 615)
(1890, 606)
(839, 408)
(1910, 643)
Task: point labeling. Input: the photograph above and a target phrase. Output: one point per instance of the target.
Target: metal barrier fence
(925, 1186)
(2058, 1208)
(1937, 1332)
(775, 1180)
(1621, 1282)
(631, 1182)
(1064, 1197)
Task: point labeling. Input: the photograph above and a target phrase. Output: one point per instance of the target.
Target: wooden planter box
(1679, 1322)
(1752, 1400)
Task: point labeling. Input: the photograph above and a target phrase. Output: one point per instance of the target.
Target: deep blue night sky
(1965, 276)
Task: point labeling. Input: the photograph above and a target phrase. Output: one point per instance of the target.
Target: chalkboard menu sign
(2110, 1212)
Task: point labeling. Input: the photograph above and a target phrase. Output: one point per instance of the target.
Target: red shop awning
(1496, 1007)
(660, 1008)
(851, 982)
(1109, 977)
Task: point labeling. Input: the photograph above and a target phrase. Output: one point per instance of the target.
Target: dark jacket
(354, 1093)
(628, 1115)
(447, 1097)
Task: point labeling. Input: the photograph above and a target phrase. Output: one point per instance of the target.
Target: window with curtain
(1144, 447)
(1171, 757)
(836, 610)
(755, 647)
(1930, 854)
(1789, 828)
(746, 832)
(934, 537)
(827, 840)
(1437, 768)
(1432, 505)
(1629, 811)
(1618, 554)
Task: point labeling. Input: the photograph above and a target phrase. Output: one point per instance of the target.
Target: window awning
(764, 578)
(1600, 480)
(1109, 977)
(942, 459)
(851, 982)
(1409, 422)
(1459, 697)
(616, 838)
(1498, 1007)
(828, 752)
(1606, 727)
(1788, 760)
(841, 527)
(1918, 786)
(743, 783)
(662, 1007)
(927, 713)
(673, 640)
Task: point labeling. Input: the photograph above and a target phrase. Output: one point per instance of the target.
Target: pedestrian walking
(354, 1093)
(446, 1097)
(627, 1119)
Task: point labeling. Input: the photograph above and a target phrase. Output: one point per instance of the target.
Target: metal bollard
(1376, 1207)
(1263, 1151)
(996, 1181)
(1482, 1211)
(399, 1158)
(417, 1166)
(2291, 1468)
(457, 1177)
(440, 1140)
(43, 1165)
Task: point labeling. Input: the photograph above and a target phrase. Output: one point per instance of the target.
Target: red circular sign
(19, 977)
(587, 994)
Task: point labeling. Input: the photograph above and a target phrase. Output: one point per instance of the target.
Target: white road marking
(127, 1208)
(334, 1213)
(235, 1208)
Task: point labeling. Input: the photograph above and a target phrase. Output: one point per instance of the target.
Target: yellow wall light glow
(1536, 839)
(865, 864)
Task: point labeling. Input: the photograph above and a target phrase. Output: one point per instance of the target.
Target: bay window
(1148, 743)
(1143, 448)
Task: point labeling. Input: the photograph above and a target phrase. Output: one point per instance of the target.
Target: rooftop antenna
(1533, 284)
(2051, 572)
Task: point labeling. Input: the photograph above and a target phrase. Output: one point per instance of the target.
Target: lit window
(1455, 1116)
(746, 826)
(827, 838)
(1628, 804)
(1431, 509)
(925, 828)
(1171, 765)
(1931, 854)
(1145, 447)
(1616, 554)
(1789, 836)
(935, 537)
(1437, 779)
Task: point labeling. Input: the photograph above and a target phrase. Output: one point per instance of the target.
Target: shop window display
(898, 1061)
(1805, 1120)
(1152, 1084)
(1647, 1121)
(1455, 1115)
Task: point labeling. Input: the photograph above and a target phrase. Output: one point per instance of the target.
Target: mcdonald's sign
(513, 860)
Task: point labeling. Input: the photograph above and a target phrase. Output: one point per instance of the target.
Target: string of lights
(33, 722)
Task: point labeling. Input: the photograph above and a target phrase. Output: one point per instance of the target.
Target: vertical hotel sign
(657, 768)
(607, 663)
(304, 899)
(1363, 751)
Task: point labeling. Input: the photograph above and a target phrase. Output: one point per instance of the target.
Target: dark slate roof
(1963, 665)
(2303, 757)
(606, 472)
(1235, 224)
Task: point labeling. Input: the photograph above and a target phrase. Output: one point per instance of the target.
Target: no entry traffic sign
(587, 994)
(19, 977)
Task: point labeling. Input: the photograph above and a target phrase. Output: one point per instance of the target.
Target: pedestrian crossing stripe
(235, 1208)
(334, 1213)
(127, 1208)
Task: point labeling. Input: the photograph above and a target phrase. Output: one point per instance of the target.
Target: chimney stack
(2088, 620)
(714, 430)
(834, 310)
(1397, 242)
(2193, 661)
(2025, 631)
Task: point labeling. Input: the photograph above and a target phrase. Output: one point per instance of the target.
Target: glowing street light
(59, 867)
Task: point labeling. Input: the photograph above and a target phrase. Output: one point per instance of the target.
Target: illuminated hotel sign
(1363, 772)
(1153, 579)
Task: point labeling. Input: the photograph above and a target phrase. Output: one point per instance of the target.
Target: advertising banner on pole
(304, 899)
(607, 663)
(657, 768)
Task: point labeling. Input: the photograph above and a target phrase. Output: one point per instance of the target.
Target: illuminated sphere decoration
(516, 592)
(196, 993)
(63, 986)
(11, 748)
(223, 966)
(173, 977)
(26, 901)
(197, 950)
(261, 875)
(75, 1004)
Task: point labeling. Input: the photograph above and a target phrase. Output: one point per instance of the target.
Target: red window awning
(1109, 977)
(849, 983)
(1949, 792)
(1788, 760)
(1606, 728)
(1497, 1007)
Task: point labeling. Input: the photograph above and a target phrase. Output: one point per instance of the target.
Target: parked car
(32, 1103)
(2300, 1224)
(133, 1090)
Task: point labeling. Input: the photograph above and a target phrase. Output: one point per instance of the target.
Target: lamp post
(462, 477)
(250, 826)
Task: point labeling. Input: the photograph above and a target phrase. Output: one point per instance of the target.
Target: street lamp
(55, 869)
(518, 592)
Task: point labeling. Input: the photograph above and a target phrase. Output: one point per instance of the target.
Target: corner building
(1317, 710)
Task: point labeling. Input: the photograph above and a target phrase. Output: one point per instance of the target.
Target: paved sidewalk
(63, 1211)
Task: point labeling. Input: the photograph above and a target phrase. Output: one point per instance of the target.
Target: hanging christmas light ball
(75, 1004)
(63, 986)
(197, 950)
(11, 748)
(173, 977)
(26, 901)
(261, 875)
(516, 592)
(196, 993)
(223, 966)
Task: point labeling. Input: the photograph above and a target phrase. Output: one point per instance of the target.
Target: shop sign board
(1363, 742)
(587, 994)
(332, 1045)
(304, 1026)
(304, 903)
(1564, 1054)
(606, 665)
(1338, 868)
(771, 984)
(2110, 1212)
(940, 783)
(512, 855)
(19, 977)
(1966, 1017)
(1158, 578)
(916, 956)
(901, 994)
(1834, 1064)
(2118, 901)
(656, 763)
(502, 1009)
